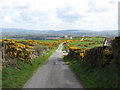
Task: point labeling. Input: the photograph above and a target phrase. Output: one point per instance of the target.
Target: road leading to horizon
(54, 74)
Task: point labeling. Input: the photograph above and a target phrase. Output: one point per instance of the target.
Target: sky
(59, 14)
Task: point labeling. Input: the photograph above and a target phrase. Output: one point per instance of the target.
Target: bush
(116, 49)
(94, 57)
(39, 49)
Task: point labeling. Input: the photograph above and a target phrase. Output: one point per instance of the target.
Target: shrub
(94, 57)
(116, 49)
(39, 49)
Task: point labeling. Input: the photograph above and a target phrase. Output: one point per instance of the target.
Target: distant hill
(14, 32)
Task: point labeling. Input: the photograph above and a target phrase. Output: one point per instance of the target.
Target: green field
(99, 42)
(48, 40)
(95, 39)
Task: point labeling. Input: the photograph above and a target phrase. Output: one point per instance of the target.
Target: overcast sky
(59, 14)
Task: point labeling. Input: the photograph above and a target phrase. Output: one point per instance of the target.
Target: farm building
(67, 37)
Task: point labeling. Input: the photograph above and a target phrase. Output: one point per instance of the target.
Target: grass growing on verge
(63, 49)
(93, 78)
(15, 78)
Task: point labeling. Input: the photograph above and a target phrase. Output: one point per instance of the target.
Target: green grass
(95, 39)
(48, 40)
(15, 78)
(63, 49)
(18, 39)
(93, 78)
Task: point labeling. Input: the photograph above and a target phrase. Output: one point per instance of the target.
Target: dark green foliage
(116, 49)
(94, 57)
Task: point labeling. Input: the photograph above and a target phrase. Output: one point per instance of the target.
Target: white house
(68, 37)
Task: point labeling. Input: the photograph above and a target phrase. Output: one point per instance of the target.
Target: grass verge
(16, 78)
(93, 78)
(63, 49)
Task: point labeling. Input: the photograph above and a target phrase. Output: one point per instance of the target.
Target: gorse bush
(94, 57)
(24, 50)
(116, 49)
(39, 49)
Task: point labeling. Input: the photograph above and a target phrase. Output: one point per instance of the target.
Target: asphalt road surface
(54, 74)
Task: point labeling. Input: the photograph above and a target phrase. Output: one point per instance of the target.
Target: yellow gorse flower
(82, 54)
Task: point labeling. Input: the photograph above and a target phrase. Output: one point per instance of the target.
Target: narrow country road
(54, 74)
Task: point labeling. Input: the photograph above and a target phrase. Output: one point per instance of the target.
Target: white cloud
(59, 14)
